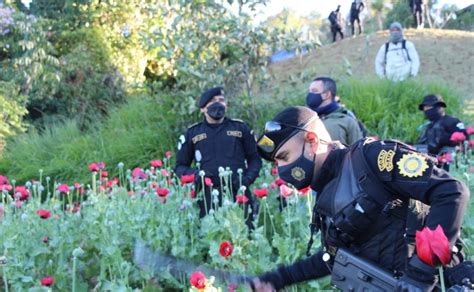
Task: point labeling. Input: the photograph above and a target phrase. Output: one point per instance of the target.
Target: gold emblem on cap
(412, 165)
(385, 160)
(298, 173)
(265, 141)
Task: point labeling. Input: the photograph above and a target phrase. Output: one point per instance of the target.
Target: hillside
(445, 55)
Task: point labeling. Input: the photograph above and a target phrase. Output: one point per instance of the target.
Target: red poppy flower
(274, 171)
(3, 180)
(186, 179)
(458, 137)
(192, 194)
(208, 181)
(432, 246)
(45, 214)
(305, 190)
(168, 154)
(198, 280)
(156, 163)
(445, 158)
(280, 182)
(165, 172)
(63, 188)
(6, 188)
(260, 193)
(285, 191)
(104, 173)
(47, 281)
(470, 130)
(45, 239)
(470, 144)
(232, 287)
(273, 185)
(77, 185)
(112, 182)
(226, 249)
(93, 167)
(162, 192)
(241, 199)
(139, 173)
(22, 192)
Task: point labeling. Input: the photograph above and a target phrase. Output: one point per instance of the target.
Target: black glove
(419, 277)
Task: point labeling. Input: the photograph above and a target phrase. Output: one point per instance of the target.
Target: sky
(304, 7)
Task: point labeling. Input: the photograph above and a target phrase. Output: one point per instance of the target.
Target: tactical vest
(350, 206)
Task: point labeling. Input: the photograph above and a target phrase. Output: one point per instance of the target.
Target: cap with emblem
(209, 94)
(432, 100)
(284, 126)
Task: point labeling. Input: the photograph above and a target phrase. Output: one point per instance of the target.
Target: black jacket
(438, 133)
(228, 144)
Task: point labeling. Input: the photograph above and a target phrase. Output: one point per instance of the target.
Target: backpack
(333, 18)
(403, 47)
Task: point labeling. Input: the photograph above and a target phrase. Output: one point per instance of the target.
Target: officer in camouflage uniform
(363, 193)
(217, 142)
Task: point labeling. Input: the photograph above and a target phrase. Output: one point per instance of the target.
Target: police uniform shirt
(228, 144)
(438, 133)
(406, 173)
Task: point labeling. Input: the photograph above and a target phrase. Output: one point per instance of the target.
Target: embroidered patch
(298, 173)
(234, 133)
(385, 160)
(412, 165)
(369, 140)
(266, 142)
(199, 137)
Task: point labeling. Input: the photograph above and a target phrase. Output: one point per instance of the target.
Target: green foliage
(463, 21)
(12, 105)
(400, 12)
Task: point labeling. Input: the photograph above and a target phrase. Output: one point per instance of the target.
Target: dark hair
(329, 85)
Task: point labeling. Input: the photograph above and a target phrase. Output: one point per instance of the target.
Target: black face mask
(298, 173)
(216, 111)
(314, 100)
(434, 114)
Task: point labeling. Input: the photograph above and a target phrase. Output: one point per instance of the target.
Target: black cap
(432, 100)
(281, 128)
(209, 94)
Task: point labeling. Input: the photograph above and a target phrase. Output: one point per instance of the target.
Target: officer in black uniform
(363, 193)
(441, 126)
(218, 142)
(356, 8)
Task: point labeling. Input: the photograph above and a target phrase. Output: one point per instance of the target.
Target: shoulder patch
(460, 126)
(238, 120)
(193, 125)
(235, 133)
(385, 160)
(369, 140)
(412, 165)
(199, 137)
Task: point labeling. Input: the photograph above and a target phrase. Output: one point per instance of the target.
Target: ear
(313, 140)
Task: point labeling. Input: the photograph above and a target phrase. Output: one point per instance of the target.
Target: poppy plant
(458, 137)
(162, 192)
(63, 188)
(432, 246)
(285, 191)
(3, 180)
(279, 182)
(156, 163)
(274, 171)
(208, 181)
(168, 154)
(226, 249)
(47, 281)
(22, 192)
(242, 199)
(470, 130)
(260, 193)
(139, 173)
(45, 214)
(186, 179)
(198, 280)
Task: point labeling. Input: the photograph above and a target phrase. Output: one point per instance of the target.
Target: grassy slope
(444, 54)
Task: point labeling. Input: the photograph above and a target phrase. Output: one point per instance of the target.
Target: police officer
(217, 142)
(363, 193)
(437, 135)
(341, 125)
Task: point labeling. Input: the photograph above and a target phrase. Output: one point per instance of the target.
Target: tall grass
(146, 127)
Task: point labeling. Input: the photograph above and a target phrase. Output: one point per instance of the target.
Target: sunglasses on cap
(267, 145)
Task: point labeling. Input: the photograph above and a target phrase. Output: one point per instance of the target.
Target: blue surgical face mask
(314, 100)
(298, 173)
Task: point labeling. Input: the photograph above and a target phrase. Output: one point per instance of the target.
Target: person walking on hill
(417, 7)
(219, 142)
(397, 59)
(356, 8)
(335, 18)
(341, 125)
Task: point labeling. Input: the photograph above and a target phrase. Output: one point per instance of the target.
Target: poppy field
(81, 237)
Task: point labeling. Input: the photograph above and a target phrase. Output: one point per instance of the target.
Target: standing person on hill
(335, 18)
(217, 142)
(397, 59)
(438, 132)
(417, 7)
(341, 125)
(356, 8)
(362, 203)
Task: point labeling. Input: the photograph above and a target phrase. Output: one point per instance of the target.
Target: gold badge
(234, 133)
(199, 137)
(298, 173)
(266, 142)
(385, 160)
(412, 165)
